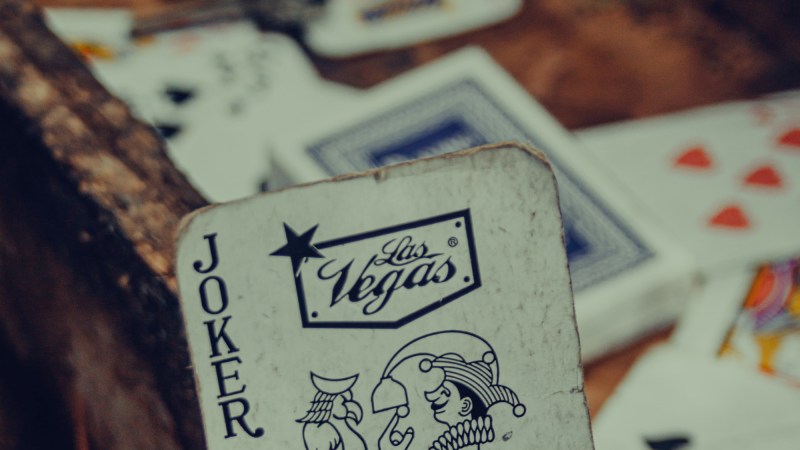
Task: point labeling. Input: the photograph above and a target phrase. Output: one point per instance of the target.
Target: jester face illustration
(440, 389)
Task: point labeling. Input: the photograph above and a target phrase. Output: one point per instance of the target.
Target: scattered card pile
(649, 207)
(721, 181)
(239, 108)
(628, 278)
(729, 379)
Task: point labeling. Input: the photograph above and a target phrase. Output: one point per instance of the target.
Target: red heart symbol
(765, 176)
(730, 216)
(791, 138)
(695, 158)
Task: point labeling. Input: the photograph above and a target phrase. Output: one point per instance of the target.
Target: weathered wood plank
(88, 206)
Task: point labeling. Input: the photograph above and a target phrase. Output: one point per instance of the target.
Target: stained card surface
(722, 180)
(623, 270)
(422, 306)
(349, 27)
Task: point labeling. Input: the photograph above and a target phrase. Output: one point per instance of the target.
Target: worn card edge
(377, 173)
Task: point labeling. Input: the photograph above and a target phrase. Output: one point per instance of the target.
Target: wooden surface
(89, 203)
(593, 62)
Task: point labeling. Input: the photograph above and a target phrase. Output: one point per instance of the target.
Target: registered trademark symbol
(452, 242)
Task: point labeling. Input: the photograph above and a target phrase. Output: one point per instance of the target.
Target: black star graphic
(298, 247)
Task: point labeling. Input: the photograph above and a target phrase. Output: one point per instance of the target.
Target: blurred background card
(766, 331)
(232, 59)
(218, 95)
(704, 324)
(178, 14)
(348, 27)
(721, 180)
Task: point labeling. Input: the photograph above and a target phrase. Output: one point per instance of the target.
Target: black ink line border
(473, 255)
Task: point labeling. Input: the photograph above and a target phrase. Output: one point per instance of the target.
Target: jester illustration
(441, 388)
(330, 422)
(766, 333)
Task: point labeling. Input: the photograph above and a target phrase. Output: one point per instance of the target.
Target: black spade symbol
(670, 443)
(179, 95)
(168, 130)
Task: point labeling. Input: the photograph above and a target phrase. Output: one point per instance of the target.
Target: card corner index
(185, 226)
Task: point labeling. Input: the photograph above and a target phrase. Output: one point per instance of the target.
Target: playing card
(349, 27)
(766, 331)
(227, 155)
(719, 179)
(377, 310)
(704, 324)
(623, 272)
(219, 96)
(675, 400)
(232, 59)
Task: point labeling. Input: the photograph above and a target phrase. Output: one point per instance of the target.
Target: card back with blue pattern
(463, 114)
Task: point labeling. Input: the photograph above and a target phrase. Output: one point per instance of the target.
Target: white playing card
(348, 27)
(232, 59)
(377, 311)
(220, 95)
(721, 179)
(707, 319)
(627, 278)
(227, 156)
(674, 400)
(765, 334)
